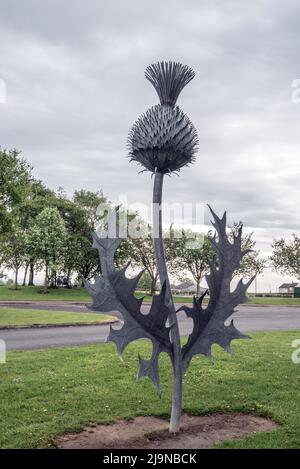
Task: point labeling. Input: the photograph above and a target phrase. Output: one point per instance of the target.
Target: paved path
(248, 318)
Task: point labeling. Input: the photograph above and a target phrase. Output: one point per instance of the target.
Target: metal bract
(164, 139)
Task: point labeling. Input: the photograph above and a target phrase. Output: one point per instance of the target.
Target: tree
(46, 239)
(145, 282)
(141, 251)
(14, 251)
(194, 253)
(251, 264)
(26, 211)
(81, 257)
(286, 256)
(193, 256)
(15, 182)
(79, 221)
(89, 202)
(23, 198)
(86, 261)
(143, 255)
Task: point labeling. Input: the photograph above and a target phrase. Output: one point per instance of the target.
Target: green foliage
(80, 218)
(143, 257)
(193, 256)
(286, 256)
(14, 251)
(194, 252)
(89, 202)
(46, 239)
(145, 283)
(15, 183)
(141, 251)
(251, 263)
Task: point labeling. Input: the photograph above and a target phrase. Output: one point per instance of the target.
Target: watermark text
(296, 352)
(2, 91)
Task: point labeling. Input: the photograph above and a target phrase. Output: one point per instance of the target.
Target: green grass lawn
(274, 301)
(46, 393)
(80, 294)
(33, 294)
(26, 317)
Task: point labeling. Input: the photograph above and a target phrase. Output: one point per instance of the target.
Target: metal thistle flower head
(164, 139)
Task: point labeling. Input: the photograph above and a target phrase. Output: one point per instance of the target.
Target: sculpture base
(152, 432)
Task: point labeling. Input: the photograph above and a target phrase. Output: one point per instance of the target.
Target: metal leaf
(114, 291)
(209, 327)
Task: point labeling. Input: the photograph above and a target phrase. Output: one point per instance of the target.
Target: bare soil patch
(152, 432)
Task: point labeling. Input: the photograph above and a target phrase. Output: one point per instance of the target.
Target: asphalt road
(247, 319)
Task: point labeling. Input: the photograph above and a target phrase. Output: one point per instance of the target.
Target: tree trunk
(164, 278)
(25, 275)
(46, 278)
(16, 278)
(69, 278)
(31, 273)
(198, 288)
(53, 279)
(153, 286)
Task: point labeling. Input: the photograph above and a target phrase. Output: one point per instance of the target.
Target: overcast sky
(74, 74)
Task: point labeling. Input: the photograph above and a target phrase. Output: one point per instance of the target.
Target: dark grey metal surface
(114, 291)
(169, 79)
(164, 139)
(172, 318)
(209, 327)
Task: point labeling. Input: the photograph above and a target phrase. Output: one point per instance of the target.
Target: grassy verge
(33, 294)
(274, 301)
(80, 294)
(46, 393)
(27, 317)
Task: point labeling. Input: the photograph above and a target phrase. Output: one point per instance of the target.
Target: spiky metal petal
(163, 139)
(169, 79)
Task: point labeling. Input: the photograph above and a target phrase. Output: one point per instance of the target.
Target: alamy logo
(2, 92)
(296, 353)
(127, 220)
(2, 351)
(296, 91)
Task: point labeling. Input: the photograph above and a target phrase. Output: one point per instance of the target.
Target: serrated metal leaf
(209, 323)
(114, 291)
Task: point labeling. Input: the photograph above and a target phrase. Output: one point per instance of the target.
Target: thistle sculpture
(163, 140)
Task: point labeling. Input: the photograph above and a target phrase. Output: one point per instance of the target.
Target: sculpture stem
(163, 275)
